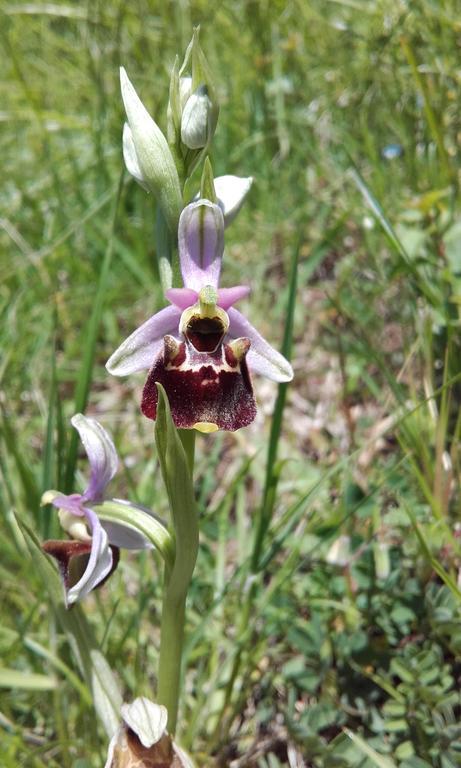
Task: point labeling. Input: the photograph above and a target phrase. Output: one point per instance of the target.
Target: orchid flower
(142, 739)
(200, 347)
(94, 544)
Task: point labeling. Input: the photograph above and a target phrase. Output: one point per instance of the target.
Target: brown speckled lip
(202, 386)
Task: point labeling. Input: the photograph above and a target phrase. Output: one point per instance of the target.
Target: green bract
(156, 166)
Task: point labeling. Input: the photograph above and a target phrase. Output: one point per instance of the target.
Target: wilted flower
(89, 557)
(199, 347)
(142, 740)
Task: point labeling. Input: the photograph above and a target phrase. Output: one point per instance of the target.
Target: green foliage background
(347, 114)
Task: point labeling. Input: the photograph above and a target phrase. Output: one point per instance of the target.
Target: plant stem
(176, 588)
(171, 645)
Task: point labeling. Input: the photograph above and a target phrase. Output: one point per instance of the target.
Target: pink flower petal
(229, 296)
(181, 297)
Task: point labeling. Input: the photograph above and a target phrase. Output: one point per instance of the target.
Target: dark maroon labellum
(205, 380)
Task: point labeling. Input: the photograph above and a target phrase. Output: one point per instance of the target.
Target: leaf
(438, 567)
(83, 383)
(273, 468)
(178, 482)
(380, 760)
(27, 681)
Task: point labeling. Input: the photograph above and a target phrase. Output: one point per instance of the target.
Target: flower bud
(198, 100)
(195, 119)
(155, 165)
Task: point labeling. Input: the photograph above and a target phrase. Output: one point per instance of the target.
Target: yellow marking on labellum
(205, 426)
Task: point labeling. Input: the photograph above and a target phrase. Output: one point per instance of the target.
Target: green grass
(290, 659)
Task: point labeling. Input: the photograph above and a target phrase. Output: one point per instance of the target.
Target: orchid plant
(200, 353)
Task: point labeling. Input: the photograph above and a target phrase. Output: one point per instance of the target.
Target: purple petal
(139, 351)
(99, 564)
(201, 244)
(182, 297)
(228, 296)
(124, 536)
(101, 454)
(262, 358)
(71, 503)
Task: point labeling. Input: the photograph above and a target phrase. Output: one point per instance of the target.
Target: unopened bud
(195, 119)
(148, 146)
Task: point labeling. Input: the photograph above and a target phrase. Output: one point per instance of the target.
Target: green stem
(171, 645)
(185, 522)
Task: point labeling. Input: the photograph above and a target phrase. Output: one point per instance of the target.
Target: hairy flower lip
(208, 388)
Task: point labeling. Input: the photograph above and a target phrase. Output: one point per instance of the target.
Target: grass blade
(86, 371)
